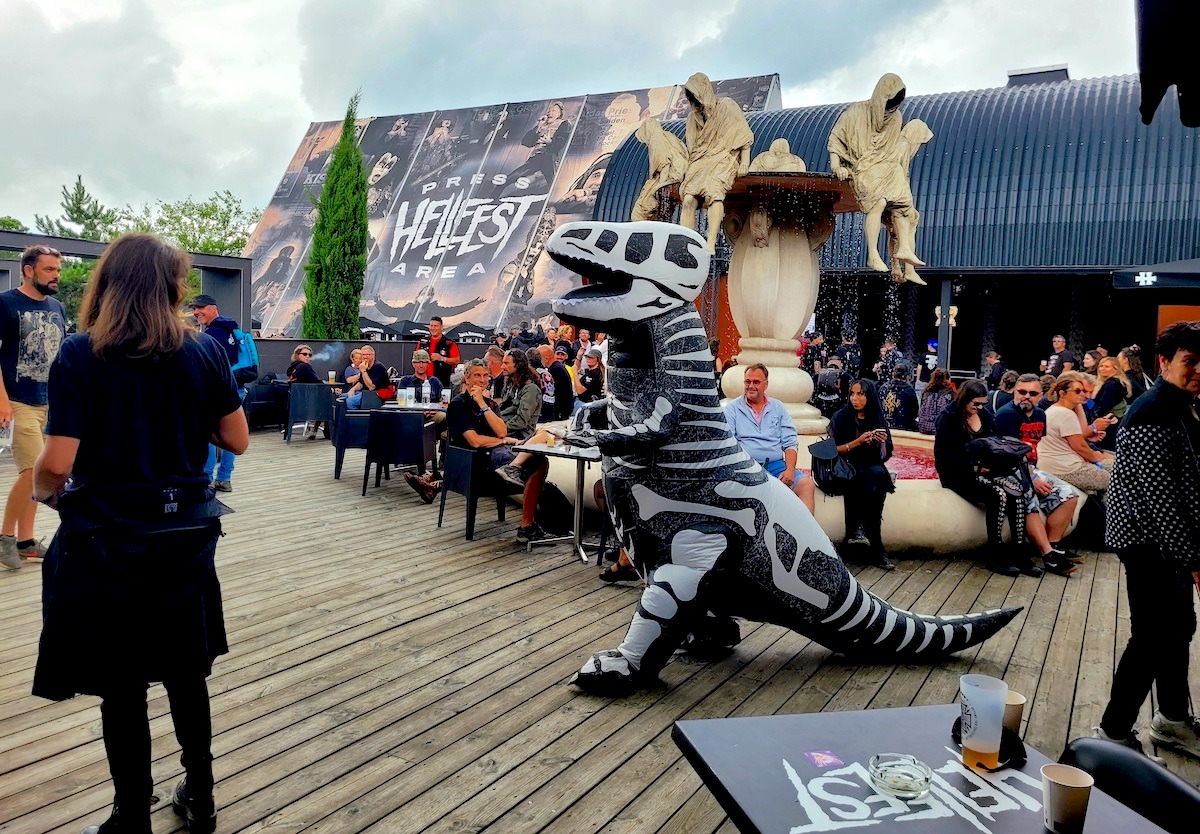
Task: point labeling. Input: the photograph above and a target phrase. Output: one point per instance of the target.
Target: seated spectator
(1047, 382)
(475, 423)
(1130, 359)
(420, 380)
(1003, 395)
(589, 377)
(863, 439)
(766, 431)
(1011, 495)
(521, 397)
(301, 372)
(1113, 397)
(899, 400)
(1091, 361)
(494, 357)
(352, 373)
(373, 377)
(1064, 451)
(558, 392)
(1023, 420)
(937, 395)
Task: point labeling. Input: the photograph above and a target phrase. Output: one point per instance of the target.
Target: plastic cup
(1014, 709)
(1065, 794)
(333, 376)
(982, 719)
(410, 396)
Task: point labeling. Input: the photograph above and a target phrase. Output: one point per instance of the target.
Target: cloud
(160, 100)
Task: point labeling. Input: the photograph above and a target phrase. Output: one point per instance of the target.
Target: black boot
(115, 825)
(200, 813)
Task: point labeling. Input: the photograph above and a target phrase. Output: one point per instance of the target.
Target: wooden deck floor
(388, 676)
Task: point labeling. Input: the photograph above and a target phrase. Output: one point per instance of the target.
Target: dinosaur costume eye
(578, 234)
(678, 253)
(607, 240)
(638, 247)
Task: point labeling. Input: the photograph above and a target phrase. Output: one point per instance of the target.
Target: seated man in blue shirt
(767, 433)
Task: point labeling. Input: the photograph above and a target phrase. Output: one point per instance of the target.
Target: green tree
(219, 225)
(12, 224)
(337, 260)
(83, 217)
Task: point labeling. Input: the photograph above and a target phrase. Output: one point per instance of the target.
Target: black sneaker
(1003, 568)
(1066, 554)
(511, 473)
(1131, 741)
(858, 537)
(532, 533)
(880, 560)
(1057, 562)
(1028, 568)
(199, 813)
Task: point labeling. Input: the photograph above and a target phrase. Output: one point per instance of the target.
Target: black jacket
(1156, 479)
(950, 441)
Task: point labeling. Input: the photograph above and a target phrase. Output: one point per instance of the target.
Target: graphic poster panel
(388, 146)
(604, 123)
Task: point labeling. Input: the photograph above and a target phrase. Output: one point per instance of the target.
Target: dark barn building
(1030, 195)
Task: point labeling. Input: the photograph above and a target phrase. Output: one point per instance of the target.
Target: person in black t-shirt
(301, 370)
(374, 378)
(1062, 359)
(473, 421)
(558, 396)
(130, 592)
(589, 376)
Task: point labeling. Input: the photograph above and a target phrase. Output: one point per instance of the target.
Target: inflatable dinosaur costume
(710, 530)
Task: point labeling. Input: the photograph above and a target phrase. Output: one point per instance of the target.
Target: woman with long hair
(1064, 450)
(1130, 360)
(1010, 496)
(1113, 396)
(934, 399)
(130, 590)
(1090, 360)
(521, 397)
(864, 440)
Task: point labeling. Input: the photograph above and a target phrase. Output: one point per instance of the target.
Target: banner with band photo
(460, 204)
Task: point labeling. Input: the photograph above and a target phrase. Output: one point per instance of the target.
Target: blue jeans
(354, 400)
(225, 470)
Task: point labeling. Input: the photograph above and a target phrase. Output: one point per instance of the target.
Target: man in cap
(219, 327)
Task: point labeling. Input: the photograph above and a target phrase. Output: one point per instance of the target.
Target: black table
(583, 458)
(773, 775)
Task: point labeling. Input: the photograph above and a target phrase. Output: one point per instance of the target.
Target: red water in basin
(912, 464)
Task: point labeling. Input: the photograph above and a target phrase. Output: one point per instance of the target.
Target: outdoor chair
(397, 438)
(1137, 783)
(349, 432)
(308, 403)
(265, 404)
(468, 472)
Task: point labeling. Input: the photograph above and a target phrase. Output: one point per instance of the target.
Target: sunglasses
(305, 353)
(977, 403)
(420, 361)
(1076, 390)
(1030, 393)
(45, 250)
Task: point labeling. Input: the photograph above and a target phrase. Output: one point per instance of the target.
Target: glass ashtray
(901, 775)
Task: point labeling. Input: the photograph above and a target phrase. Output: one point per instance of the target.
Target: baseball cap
(561, 349)
(420, 356)
(202, 301)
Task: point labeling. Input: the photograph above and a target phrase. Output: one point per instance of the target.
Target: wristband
(481, 413)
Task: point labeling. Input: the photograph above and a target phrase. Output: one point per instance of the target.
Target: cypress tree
(337, 261)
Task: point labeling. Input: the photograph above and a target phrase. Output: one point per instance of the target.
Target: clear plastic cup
(983, 700)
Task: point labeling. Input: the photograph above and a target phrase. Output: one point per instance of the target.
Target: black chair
(307, 403)
(264, 405)
(1137, 783)
(349, 432)
(468, 472)
(397, 438)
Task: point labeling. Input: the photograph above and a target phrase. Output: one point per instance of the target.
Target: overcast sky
(159, 99)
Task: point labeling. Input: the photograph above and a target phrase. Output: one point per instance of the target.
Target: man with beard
(1023, 420)
(32, 327)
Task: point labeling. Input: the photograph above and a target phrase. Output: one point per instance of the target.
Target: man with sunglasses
(1055, 498)
(32, 327)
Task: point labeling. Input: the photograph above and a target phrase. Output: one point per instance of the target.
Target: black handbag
(830, 470)
(999, 455)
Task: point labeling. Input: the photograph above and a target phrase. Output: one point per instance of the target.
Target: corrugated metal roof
(1030, 176)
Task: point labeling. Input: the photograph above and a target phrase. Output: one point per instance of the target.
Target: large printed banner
(461, 203)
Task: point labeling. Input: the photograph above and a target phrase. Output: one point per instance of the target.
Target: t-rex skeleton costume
(706, 525)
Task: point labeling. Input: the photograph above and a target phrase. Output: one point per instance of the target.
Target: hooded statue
(718, 144)
(869, 147)
(668, 164)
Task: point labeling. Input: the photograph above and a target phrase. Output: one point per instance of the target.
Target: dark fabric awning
(1176, 274)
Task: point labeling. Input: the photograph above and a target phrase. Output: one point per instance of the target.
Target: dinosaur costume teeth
(711, 531)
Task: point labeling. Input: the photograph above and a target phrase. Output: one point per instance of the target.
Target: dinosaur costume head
(632, 271)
